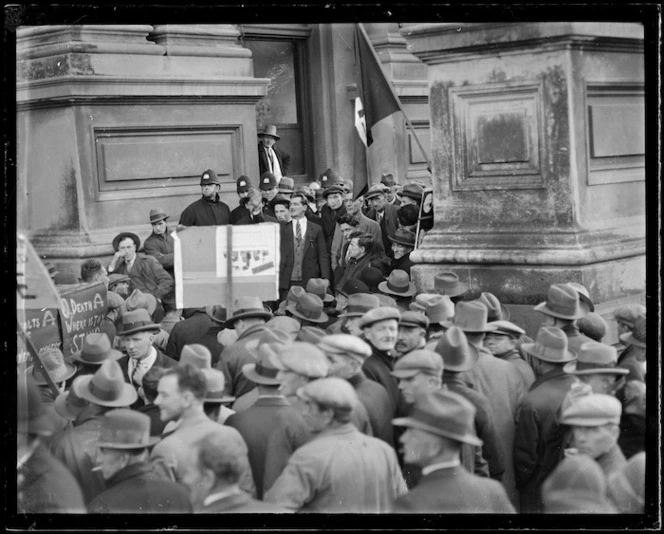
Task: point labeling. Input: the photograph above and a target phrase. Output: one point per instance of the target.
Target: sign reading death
(82, 312)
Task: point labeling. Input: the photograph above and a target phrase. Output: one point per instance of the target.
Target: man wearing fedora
(412, 332)
(270, 157)
(138, 333)
(132, 485)
(159, 243)
(356, 306)
(453, 348)
(180, 397)
(138, 300)
(448, 283)
(209, 210)
(502, 343)
(77, 447)
(411, 194)
(539, 438)
(44, 484)
(308, 311)
(633, 358)
(216, 402)
(145, 272)
(304, 254)
(340, 470)
(94, 351)
(440, 423)
(403, 243)
(399, 287)
(384, 213)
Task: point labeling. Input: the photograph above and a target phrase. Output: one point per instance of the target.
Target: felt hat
(284, 324)
(414, 319)
(33, 416)
(550, 346)
(114, 279)
(137, 321)
(352, 287)
(306, 191)
(346, 345)
(68, 405)
(496, 310)
(562, 301)
(387, 301)
(627, 314)
(443, 413)
(584, 295)
(157, 214)
(438, 308)
(302, 358)
(418, 361)
(403, 237)
(245, 307)
(330, 392)
(138, 300)
(329, 177)
(242, 184)
(593, 325)
(197, 355)
(333, 189)
(279, 200)
(372, 277)
(209, 177)
(471, 317)
(268, 181)
(309, 307)
(359, 304)
(448, 283)
(286, 185)
(453, 348)
(54, 363)
(377, 315)
(375, 190)
(637, 336)
(595, 358)
(263, 371)
(407, 214)
(96, 349)
(596, 409)
(388, 180)
(216, 387)
(627, 486)
(267, 336)
(270, 130)
(114, 300)
(217, 313)
(398, 283)
(106, 387)
(311, 334)
(126, 429)
(319, 287)
(414, 191)
(293, 295)
(507, 329)
(121, 236)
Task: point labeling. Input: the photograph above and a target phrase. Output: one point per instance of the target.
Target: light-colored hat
(359, 304)
(386, 301)
(319, 286)
(294, 293)
(471, 317)
(346, 345)
(438, 308)
(68, 405)
(550, 346)
(443, 413)
(305, 359)
(448, 283)
(377, 315)
(398, 283)
(126, 429)
(216, 387)
(595, 358)
(114, 300)
(637, 336)
(496, 310)
(263, 371)
(311, 334)
(454, 349)
(309, 307)
(414, 319)
(286, 185)
(96, 349)
(584, 295)
(54, 363)
(245, 307)
(285, 324)
(375, 190)
(418, 361)
(106, 387)
(627, 486)
(137, 321)
(507, 329)
(270, 130)
(197, 355)
(592, 325)
(157, 214)
(596, 409)
(138, 300)
(330, 392)
(562, 301)
(265, 336)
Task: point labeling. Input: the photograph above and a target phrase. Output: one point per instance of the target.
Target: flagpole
(396, 97)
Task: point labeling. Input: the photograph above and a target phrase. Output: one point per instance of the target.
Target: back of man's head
(89, 270)
(189, 378)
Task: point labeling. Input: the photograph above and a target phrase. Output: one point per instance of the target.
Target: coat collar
(555, 374)
(383, 357)
(131, 471)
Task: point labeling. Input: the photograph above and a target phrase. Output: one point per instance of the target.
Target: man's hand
(118, 257)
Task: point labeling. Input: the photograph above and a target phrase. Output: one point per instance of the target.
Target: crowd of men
(354, 392)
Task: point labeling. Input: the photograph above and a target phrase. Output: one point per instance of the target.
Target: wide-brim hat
(246, 307)
(263, 371)
(455, 351)
(106, 387)
(157, 215)
(414, 191)
(126, 429)
(403, 237)
(286, 185)
(270, 130)
(562, 301)
(138, 300)
(319, 286)
(122, 235)
(115, 278)
(55, 365)
(360, 303)
(584, 368)
(135, 321)
(294, 293)
(448, 283)
(309, 307)
(216, 387)
(497, 310)
(399, 284)
(96, 349)
(216, 313)
(550, 346)
(631, 339)
(68, 405)
(595, 358)
(375, 190)
(471, 317)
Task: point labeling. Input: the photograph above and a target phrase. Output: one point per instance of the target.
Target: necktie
(134, 375)
(298, 232)
(268, 151)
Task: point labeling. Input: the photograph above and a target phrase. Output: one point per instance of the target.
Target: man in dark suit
(384, 213)
(271, 158)
(304, 254)
(209, 210)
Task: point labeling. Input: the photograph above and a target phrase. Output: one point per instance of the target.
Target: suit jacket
(283, 158)
(315, 260)
(455, 490)
(388, 225)
(149, 276)
(240, 503)
(138, 488)
(188, 331)
(329, 218)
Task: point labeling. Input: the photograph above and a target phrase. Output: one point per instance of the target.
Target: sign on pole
(82, 312)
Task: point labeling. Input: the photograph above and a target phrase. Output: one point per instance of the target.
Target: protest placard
(82, 312)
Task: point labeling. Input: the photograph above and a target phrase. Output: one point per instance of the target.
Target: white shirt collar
(148, 361)
(303, 225)
(214, 497)
(440, 465)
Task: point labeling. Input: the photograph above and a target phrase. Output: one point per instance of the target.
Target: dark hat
(286, 185)
(408, 214)
(375, 190)
(443, 413)
(398, 283)
(359, 304)
(54, 362)
(216, 387)
(593, 325)
(245, 307)
(595, 358)
(268, 181)
(270, 130)
(376, 315)
(319, 286)
(96, 349)
(279, 200)
(413, 191)
(496, 310)
(209, 177)
(216, 313)
(197, 355)
(309, 307)
(418, 361)
(471, 317)
(562, 301)
(157, 214)
(454, 349)
(329, 177)
(346, 345)
(333, 189)
(106, 387)
(114, 279)
(121, 236)
(507, 329)
(596, 409)
(413, 318)
(388, 180)
(403, 237)
(550, 346)
(637, 336)
(126, 429)
(303, 358)
(352, 287)
(438, 308)
(263, 371)
(332, 392)
(68, 405)
(584, 295)
(243, 184)
(137, 321)
(372, 277)
(311, 334)
(448, 283)
(139, 300)
(33, 414)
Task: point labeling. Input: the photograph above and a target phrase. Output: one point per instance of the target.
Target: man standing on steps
(270, 158)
